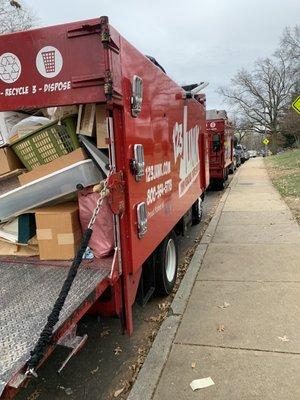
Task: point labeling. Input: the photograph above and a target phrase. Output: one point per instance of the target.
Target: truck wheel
(166, 264)
(197, 211)
(219, 184)
(226, 173)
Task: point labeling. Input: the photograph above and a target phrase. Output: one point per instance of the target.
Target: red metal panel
(220, 160)
(170, 129)
(58, 65)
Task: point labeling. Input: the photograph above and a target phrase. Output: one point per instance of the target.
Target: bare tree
(15, 17)
(241, 127)
(290, 43)
(261, 96)
(290, 50)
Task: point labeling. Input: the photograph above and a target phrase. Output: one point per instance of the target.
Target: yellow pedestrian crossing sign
(296, 105)
(266, 141)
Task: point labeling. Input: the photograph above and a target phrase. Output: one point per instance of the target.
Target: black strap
(44, 340)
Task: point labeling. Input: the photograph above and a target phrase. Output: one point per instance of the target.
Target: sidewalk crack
(237, 348)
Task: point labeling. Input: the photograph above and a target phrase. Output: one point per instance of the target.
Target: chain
(44, 340)
(104, 192)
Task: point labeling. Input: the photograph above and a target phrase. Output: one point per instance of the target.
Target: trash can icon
(49, 61)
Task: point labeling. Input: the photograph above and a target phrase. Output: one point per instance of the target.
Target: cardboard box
(53, 166)
(86, 120)
(7, 120)
(58, 231)
(101, 127)
(8, 161)
(57, 113)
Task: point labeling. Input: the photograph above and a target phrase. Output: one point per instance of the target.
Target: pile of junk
(53, 163)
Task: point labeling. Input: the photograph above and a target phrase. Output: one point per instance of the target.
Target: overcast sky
(194, 40)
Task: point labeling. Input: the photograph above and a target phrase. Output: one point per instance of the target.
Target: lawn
(284, 170)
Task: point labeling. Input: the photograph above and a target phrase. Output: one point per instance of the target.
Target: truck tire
(219, 184)
(197, 211)
(166, 265)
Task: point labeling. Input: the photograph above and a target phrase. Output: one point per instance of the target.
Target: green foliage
(288, 160)
(286, 173)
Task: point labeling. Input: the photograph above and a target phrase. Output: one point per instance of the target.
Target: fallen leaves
(68, 390)
(164, 306)
(284, 338)
(34, 395)
(105, 332)
(118, 350)
(224, 305)
(119, 391)
(158, 318)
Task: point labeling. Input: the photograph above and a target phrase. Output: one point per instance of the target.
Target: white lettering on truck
(48, 87)
(186, 147)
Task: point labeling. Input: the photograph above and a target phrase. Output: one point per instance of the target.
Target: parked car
(246, 152)
(237, 157)
(241, 153)
(263, 153)
(252, 153)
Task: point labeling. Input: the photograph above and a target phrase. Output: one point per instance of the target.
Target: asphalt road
(109, 360)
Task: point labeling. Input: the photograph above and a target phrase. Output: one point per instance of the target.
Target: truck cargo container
(221, 144)
(157, 176)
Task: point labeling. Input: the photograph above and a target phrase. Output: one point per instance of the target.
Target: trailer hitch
(73, 342)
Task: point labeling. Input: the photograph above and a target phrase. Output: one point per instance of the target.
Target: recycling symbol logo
(10, 68)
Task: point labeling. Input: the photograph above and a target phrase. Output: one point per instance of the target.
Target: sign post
(266, 141)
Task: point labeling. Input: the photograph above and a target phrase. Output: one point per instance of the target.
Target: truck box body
(220, 157)
(90, 62)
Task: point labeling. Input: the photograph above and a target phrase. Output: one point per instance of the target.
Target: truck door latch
(137, 96)
(142, 219)
(137, 164)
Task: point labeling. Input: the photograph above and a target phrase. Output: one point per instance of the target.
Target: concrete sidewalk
(249, 259)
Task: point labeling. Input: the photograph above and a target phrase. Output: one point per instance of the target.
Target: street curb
(149, 375)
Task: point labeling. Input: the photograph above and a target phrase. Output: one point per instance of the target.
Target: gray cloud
(193, 39)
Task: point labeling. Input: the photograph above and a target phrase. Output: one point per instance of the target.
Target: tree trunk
(274, 143)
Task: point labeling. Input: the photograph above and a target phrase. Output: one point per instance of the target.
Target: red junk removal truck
(153, 166)
(220, 134)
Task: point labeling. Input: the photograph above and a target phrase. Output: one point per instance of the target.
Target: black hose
(44, 340)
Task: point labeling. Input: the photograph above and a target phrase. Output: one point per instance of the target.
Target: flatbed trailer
(221, 144)
(158, 175)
